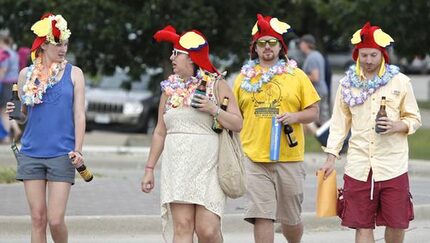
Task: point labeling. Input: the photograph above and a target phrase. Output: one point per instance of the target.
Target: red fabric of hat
(192, 42)
(264, 28)
(367, 36)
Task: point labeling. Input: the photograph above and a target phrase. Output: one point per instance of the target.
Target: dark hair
(6, 39)
(253, 54)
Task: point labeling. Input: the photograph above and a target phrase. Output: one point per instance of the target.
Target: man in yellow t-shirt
(271, 85)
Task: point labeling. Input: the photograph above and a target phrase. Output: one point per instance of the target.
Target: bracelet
(218, 110)
(79, 152)
(149, 167)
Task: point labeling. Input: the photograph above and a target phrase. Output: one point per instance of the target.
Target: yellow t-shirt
(283, 93)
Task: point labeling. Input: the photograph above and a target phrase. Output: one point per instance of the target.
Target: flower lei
(248, 71)
(33, 91)
(366, 88)
(177, 89)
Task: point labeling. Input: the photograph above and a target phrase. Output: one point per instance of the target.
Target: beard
(268, 56)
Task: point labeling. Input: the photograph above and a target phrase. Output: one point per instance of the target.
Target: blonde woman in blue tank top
(52, 96)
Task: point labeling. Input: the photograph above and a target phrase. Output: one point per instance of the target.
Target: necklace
(33, 91)
(367, 88)
(249, 71)
(179, 90)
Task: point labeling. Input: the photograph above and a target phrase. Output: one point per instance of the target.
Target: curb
(147, 224)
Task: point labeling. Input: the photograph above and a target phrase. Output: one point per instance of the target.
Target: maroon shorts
(391, 205)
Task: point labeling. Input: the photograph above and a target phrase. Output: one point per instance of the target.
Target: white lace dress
(189, 164)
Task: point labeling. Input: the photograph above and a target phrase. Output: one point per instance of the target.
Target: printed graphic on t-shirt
(267, 101)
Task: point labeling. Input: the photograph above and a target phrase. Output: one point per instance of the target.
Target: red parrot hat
(371, 37)
(193, 42)
(50, 28)
(268, 26)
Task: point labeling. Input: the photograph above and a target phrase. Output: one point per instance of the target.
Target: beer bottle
(291, 138)
(381, 113)
(84, 172)
(16, 113)
(216, 126)
(201, 89)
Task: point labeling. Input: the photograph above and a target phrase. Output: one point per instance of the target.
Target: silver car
(122, 104)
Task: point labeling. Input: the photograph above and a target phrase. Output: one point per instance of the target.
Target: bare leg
(293, 233)
(58, 194)
(35, 191)
(394, 235)
(183, 222)
(208, 227)
(264, 231)
(364, 236)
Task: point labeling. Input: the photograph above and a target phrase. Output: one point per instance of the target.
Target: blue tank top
(50, 128)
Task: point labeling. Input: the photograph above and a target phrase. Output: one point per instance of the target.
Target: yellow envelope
(326, 195)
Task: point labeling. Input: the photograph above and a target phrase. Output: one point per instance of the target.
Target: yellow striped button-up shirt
(386, 155)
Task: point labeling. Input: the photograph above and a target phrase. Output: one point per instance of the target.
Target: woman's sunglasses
(176, 52)
(271, 42)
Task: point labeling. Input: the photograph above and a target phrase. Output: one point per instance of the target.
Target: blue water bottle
(275, 139)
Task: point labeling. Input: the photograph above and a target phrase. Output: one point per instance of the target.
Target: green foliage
(109, 33)
(7, 174)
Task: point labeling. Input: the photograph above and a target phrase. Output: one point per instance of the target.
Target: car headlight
(132, 108)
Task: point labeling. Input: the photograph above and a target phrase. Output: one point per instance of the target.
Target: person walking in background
(271, 85)
(9, 64)
(190, 192)
(53, 97)
(314, 67)
(376, 184)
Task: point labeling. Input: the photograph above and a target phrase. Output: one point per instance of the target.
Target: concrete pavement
(112, 209)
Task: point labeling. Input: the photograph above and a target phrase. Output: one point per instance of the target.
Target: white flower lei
(249, 72)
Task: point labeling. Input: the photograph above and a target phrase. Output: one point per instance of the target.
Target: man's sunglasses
(176, 52)
(271, 42)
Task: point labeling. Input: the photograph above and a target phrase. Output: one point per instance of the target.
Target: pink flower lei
(34, 91)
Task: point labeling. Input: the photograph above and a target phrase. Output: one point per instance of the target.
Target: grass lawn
(7, 174)
(424, 105)
(419, 144)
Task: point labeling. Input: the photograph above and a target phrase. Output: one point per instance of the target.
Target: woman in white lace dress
(191, 198)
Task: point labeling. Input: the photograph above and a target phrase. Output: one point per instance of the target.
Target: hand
(76, 157)
(391, 126)
(147, 183)
(203, 103)
(288, 118)
(328, 166)
(10, 107)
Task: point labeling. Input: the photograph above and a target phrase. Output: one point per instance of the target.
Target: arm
(410, 118)
(79, 113)
(2, 72)
(314, 75)
(157, 146)
(308, 115)
(230, 119)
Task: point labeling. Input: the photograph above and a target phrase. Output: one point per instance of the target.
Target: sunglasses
(176, 52)
(271, 42)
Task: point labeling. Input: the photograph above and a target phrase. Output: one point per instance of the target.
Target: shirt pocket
(393, 107)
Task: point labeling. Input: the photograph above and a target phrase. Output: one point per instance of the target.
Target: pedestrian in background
(53, 96)
(190, 192)
(376, 184)
(314, 67)
(271, 85)
(9, 64)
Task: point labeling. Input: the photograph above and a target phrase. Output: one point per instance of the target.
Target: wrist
(148, 167)
(78, 151)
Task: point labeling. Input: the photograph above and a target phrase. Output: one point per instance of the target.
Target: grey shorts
(275, 191)
(50, 169)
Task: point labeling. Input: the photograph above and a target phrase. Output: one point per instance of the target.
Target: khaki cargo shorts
(275, 191)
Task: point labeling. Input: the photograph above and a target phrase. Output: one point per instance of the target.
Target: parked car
(119, 102)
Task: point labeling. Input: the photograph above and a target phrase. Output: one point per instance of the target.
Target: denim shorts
(51, 169)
